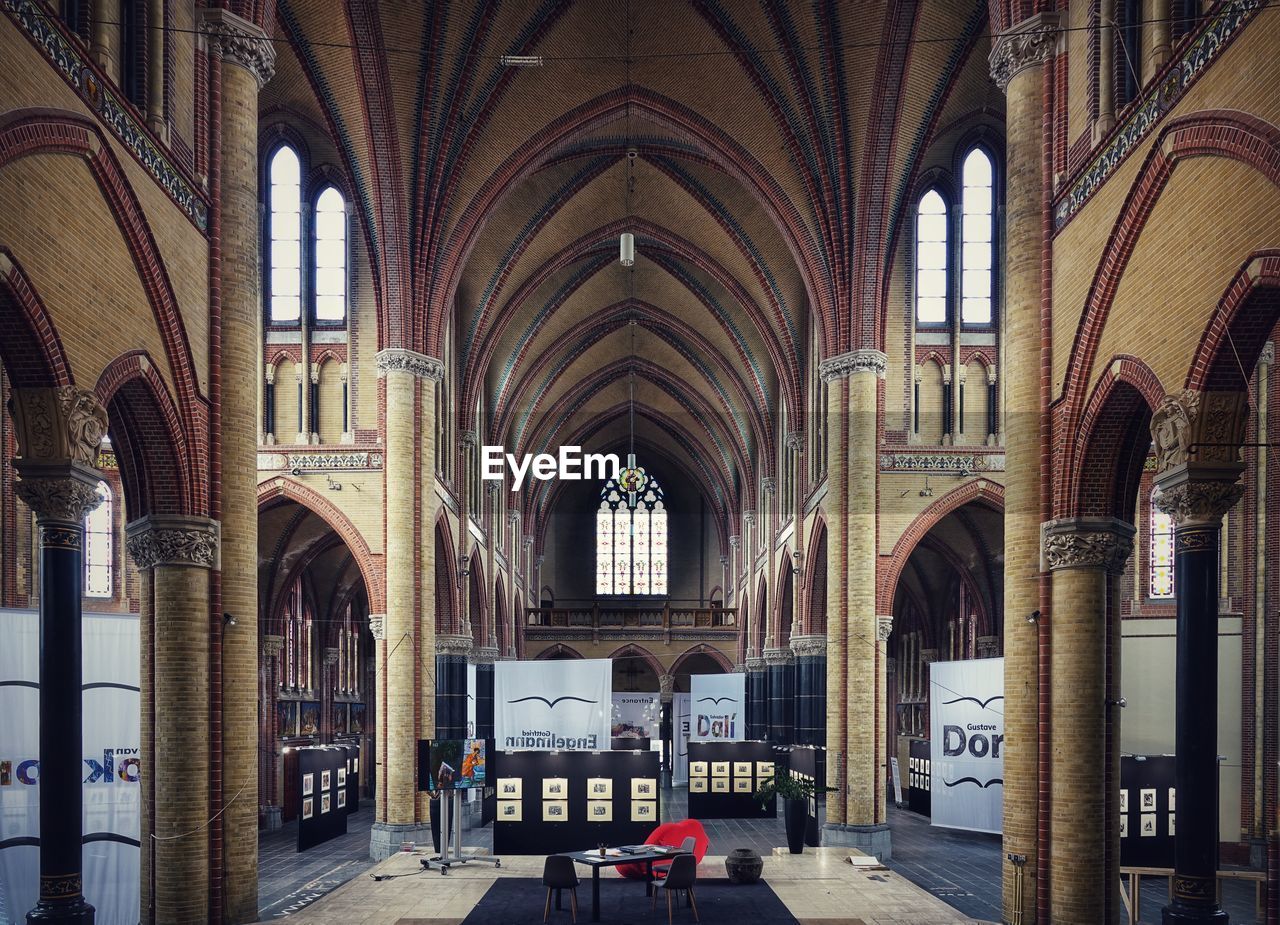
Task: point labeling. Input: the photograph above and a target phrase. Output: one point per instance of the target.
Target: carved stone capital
(1196, 495)
(1199, 427)
(58, 494)
(468, 438)
(735, 541)
(855, 361)
(666, 686)
(1030, 43)
(884, 626)
(988, 646)
(755, 663)
(1268, 355)
(526, 541)
(724, 560)
(239, 41)
(330, 657)
(409, 361)
(58, 425)
(159, 541)
(808, 646)
(450, 644)
(485, 655)
(513, 516)
(928, 656)
(1081, 542)
(769, 484)
(272, 646)
(378, 626)
(779, 657)
(795, 441)
(749, 518)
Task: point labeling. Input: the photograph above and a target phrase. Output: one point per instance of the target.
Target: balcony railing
(594, 616)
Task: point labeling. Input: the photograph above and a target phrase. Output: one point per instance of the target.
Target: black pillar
(484, 700)
(757, 701)
(811, 695)
(782, 698)
(1197, 508)
(451, 695)
(60, 503)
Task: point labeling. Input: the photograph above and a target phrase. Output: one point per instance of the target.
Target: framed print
(719, 769)
(742, 785)
(1173, 791)
(1124, 826)
(355, 765)
(308, 808)
(697, 785)
(339, 719)
(509, 788)
(342, 799)
(325, 780)
(309, 718)
(599, 788)
(697, 769)
(555, 810)
(324, 803)
(719, 785)
(1147, 800)
(599, 810)
(308, 784)
(742, 769)
(509, 811)
(286, 718)
(355, 720)
(1172, 830)
(644, 810)
(644, 788)
(342, 776)
(555, 788)
(1124, 799)
(1148, 825)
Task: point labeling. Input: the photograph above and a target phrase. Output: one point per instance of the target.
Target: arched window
(1161, 583)
(297, 672)
(347, 677)
(331, 257)
(98, 546)
(931, 259)
(977, 255)
(631, 540)
(284, 249)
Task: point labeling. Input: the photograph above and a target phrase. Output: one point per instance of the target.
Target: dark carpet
(622, 902)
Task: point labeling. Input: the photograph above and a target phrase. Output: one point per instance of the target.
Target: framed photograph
(509, 811)
(342, 776)
(599, 788)
(1172, 830)
(324, 803)
(308, 808)
(742, 769)
(1148, 825)
(742, 785)
(286, 718)
(697, 785)
(309, 718)
(1173, 791)
(555, 788)
(644, 788)
(509, 788)
(765, 768)
(342, 799)
(555, 810)
(719, 785)
(719, 769)
(308, 784)
(644, 810)
(325, 780)
(1124, 799)
(355, 765)
(697, 769)
(1147, 800)
(1124, 826)
(599, 810)
(355, 720)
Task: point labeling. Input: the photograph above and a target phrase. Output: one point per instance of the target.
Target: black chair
(558, 874)
(680, 876)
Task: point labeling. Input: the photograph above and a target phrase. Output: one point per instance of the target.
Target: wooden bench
(1133, 895)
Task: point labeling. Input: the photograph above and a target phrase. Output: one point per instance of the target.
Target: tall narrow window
(133, 51)
(1128, 60)
(931, 259)
(1161, 553)
(98, 546)
(331, 257)
(977, 239)
(631, 541)
(284, 257)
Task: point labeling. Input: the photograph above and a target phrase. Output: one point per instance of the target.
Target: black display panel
(1148, 805)
(810, 761)
(353, 777)
(731, 795)
(322, 790)
(919, 780)
(549, 802)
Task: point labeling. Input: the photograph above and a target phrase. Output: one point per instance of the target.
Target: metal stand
(451, 837)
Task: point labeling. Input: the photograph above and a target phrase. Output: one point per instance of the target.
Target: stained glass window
(931, 259)
(977, 233)
(98, 546)
(331, 257)
(284, 254)
(1161, 553)
(631, 541)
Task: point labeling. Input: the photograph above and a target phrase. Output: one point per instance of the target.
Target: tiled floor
(289, 880)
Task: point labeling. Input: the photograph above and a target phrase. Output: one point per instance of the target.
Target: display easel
(451, 837)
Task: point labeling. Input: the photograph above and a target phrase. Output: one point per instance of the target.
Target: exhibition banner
(638, 716)
(680, 735)
(111, 765)
(717, 707)
(563, 704)
(966, 733)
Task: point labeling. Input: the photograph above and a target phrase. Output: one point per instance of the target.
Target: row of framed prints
(326, 803)
(557, 788)
(740, 768)
(327, 779)
(596, 811)
(302, 718)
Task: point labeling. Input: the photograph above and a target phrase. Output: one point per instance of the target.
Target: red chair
(673, 835)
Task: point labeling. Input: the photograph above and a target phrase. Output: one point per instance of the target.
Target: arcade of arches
(947, 332)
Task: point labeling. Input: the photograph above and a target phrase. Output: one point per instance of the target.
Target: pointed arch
(815, 577)
(701, 649)
(446, 601)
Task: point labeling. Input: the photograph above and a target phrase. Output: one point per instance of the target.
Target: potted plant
(795, 795)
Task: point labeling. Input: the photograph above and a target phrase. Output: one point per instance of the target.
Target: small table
(593, 860)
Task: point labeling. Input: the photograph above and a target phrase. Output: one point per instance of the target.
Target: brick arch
(760, 619)
(979, 491)
(1239, 326)
(702, 649)
(146, 434)
(502, 617)
(477, 598)
(448, 612)
(559, 650)
(370, 570)
(631, 650)
(30, 348)
(815, 578)
(786, 595)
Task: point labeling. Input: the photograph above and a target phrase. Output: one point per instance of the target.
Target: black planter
(796, 813)
(743, 865)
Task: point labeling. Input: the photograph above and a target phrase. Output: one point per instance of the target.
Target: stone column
(247, 59)
(483, 658)
(859, 664)
(406, 648)
(179, 554)
(58, 432)
(328, 675)
(451, 685)
(1082, 554)
(1197, 437)
(1017, 59)
(272, 646)
(781, 666)
(757, 698)
(156, 37)
(811, 689)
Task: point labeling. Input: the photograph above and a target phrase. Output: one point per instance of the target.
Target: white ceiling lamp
(627, 249)
(520, 60)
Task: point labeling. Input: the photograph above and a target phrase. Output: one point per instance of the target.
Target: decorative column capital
(330, 657)
(451, 644)
(272, 646)
(884, 626)
(769, 484)
(988, 646)
(526, 541)
(159, 540)
(735, 541)
(754, 663)
(1030, 43)
(809, 646)
(399, 359)
(378, 626)
(855, 361)
(469, 438)
(1197, 437)
(724, 560)
(537, 563)
(58, 493)
(1196, 499)
(1084, 542)
(666, 687)
(928, 656)
(795, 441)
(59, 425)
(749, 518)
(484, 655)
(779, 657)
(513, 516)
(239, 41)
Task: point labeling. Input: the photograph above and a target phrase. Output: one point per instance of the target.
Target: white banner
(680, 737)
(717, 707)
(966, 743)
(563, 704)
(638, 716)
(110, 765)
